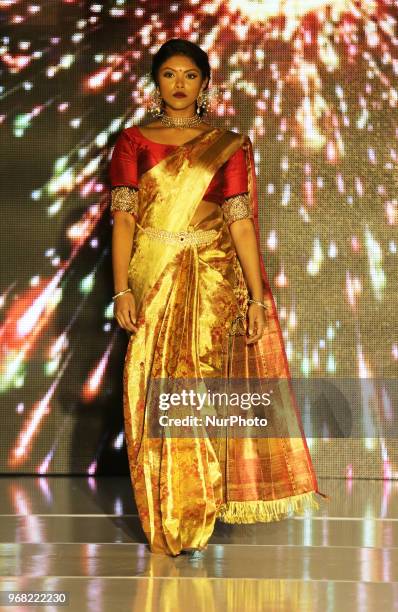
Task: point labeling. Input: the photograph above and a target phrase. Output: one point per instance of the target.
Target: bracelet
(257, 302)
(120, 293)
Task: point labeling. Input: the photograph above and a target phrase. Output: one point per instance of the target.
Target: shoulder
(243, 147)
(238, 135)
(129, 133)
(242, 139)
(128, 140)
(125, 146)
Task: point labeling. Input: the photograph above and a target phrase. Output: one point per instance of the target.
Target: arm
(124, 209)
(243, 235)
(244, 238)
(239, 218)
(122, 243)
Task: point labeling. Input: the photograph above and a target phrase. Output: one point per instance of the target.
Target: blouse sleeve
(235, 189)
(123, 176)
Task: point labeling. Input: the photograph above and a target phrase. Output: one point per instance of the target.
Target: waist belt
(189, 238)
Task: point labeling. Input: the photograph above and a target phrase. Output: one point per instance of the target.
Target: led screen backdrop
(315, 86)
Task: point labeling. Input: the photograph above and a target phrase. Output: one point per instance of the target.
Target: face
(179, 74)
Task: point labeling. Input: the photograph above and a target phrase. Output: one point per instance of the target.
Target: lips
(179, 95)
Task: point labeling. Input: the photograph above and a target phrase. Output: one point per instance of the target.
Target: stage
(83, 536)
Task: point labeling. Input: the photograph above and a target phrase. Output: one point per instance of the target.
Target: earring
(155, 103)
(202, 101)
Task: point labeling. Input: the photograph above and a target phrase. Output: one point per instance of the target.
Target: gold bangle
(120, 293)
(265, 306)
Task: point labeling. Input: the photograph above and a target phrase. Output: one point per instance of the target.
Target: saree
(191, 306)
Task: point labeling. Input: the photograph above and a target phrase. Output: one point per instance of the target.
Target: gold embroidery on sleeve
(125, 198)
(237, 207)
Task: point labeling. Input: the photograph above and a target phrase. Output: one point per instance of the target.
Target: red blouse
(135, 154)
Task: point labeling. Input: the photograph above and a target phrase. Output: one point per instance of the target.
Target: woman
(191, 288)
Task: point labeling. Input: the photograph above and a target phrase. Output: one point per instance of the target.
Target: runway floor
(82, 536)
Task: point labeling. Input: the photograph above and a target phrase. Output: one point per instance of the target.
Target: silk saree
(191, 302)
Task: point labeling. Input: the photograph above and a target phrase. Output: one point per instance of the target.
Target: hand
(256, 319)
(124, 312)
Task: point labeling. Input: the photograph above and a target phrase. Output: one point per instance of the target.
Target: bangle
(120, 293)
(258, 302)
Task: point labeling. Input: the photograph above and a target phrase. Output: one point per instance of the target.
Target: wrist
(257, 295)
(120, 293)
(258, 303)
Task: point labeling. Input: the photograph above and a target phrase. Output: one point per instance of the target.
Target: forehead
(179, 62)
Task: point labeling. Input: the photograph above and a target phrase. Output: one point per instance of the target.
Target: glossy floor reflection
(83, 536)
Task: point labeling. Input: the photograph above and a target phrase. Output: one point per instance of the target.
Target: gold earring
(155, 103)
(202, 101)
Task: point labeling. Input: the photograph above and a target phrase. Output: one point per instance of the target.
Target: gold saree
(191, 323)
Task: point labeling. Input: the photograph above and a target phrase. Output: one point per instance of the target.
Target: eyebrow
(189, 70)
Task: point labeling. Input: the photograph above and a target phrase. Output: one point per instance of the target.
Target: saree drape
(191, 323)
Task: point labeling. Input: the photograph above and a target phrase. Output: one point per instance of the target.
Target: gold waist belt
(189, 238)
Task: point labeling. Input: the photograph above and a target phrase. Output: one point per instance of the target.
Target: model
(192, 291)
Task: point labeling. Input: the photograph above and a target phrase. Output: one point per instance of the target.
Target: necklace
(180, 122)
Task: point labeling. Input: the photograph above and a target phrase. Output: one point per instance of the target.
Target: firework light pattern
(314, 85)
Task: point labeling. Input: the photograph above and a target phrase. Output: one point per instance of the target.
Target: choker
(180, 122)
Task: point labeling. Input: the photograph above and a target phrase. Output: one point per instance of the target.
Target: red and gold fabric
(191, 316)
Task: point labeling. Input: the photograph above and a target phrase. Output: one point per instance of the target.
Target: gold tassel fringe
(266, 511)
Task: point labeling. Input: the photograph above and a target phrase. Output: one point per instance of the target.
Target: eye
(192, 74)
(167, 73)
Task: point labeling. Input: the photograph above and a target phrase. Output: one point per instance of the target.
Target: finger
(121, 322)
(126, 313)
(253, 339)
(251, 322)
(125, 318)
(131, 319)
(252, 327)
(132, 316)
(130, 326)
(257, 335)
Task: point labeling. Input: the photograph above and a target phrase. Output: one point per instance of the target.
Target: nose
(180, 79)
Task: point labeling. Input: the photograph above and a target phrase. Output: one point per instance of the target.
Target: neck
(179, 114)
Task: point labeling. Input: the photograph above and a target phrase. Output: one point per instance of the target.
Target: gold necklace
(180, 122)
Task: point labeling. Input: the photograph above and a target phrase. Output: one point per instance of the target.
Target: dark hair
(179, 46)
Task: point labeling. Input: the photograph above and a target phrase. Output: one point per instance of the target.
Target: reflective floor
(82, 536)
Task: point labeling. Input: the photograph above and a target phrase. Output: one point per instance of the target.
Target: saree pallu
(191, 323)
